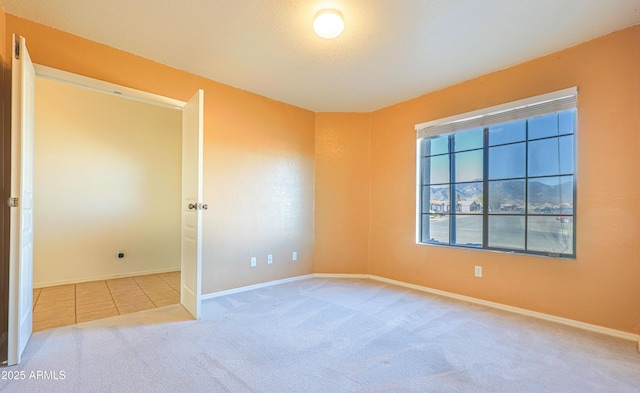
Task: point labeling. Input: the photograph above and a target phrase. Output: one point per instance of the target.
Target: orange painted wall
(602, 286)
(3, 33)
(342, 192)
(258, 159)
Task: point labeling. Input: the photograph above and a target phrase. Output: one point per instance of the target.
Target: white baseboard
(551, 318)
(255, 286)
(340, 275)
(517, 310)
(37, 285)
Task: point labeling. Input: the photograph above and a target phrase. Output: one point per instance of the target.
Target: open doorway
(107, 171)
(20, 321)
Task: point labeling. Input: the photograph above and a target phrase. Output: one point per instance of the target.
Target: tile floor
(74, 303)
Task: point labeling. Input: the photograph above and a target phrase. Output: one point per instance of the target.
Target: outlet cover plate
(478, 271)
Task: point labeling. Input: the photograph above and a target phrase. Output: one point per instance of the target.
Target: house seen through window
(503, 180)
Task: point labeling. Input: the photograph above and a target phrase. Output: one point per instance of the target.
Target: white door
(21, 216)
(192, 206)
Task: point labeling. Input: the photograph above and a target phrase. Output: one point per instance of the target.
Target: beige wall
(258, 159)
(107, 171)
(601, 286)
(342, 192)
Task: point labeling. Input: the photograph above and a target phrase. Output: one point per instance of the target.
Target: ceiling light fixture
(328, 23)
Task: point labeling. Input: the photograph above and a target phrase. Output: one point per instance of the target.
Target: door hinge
(13, 202)
(17, 49)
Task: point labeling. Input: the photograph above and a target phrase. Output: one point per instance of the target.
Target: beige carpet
(325, 335)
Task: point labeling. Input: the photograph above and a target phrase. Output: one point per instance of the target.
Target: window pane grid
(508, 143)
(548, 137)
(531, 212)
(435, 155)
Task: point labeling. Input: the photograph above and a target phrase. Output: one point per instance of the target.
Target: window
(502, 178)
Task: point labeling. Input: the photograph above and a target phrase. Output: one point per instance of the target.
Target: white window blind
(518, 110)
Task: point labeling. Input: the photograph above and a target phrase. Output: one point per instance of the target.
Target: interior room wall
(251, 141)
(601, 285)
(342, 192)
(107, 175)
(258, 159)
(259, 169)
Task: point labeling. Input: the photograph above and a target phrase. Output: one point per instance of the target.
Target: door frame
(106, 87)
(122, 92)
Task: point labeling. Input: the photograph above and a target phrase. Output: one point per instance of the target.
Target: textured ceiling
(390, 51)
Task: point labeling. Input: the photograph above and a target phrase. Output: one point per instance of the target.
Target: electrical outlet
(254, 262)
(294, 256)
(269, 259)
(478, 271)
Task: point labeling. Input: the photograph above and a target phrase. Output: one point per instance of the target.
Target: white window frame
(516, 110)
